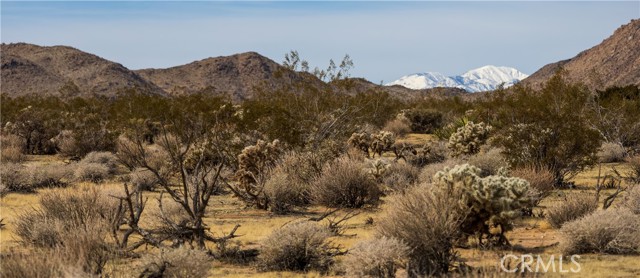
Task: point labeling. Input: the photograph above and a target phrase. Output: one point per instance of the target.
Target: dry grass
(530, 235)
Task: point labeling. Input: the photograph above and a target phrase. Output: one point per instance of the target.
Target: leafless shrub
(427, 219)
(491, 162)
(93, 172)
(631, 199)
(301, 246)
(611, 152)
(573, 207)
(613, 231)
(53, 175)
(400, 126)
(378, 257)
(344, 183)
(177, 263)
(541, 182)
(105, 158)
(12, 147)
(15, 178)
(143, 179)
(399, 176)
(427, 173)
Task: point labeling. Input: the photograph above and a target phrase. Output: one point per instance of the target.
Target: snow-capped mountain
(486, 78)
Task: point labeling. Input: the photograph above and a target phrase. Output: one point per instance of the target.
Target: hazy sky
(386, 40)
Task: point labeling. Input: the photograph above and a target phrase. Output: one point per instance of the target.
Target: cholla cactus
(491, 202)
(361, 141)
(381, 142)
(468, 139)
(254, 165)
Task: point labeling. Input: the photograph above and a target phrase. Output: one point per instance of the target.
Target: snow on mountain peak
(485, 78)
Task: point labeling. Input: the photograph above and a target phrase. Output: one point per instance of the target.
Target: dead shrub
(345, 183)
(93, 172)
(612, 231)
(177, 263)
(378, 257)
(15, 178)
(399, 176)
(283, 194)
(107, 159)
(298, 246)
(611, 152)
(490, 162)
(36, 264)
(427, 219)
(573, 207)
(541, 182)
(12, 148)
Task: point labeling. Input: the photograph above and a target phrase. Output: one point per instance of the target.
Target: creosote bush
(427, 219)
(378, 257)
(611, 231)
(298, 246)
(345, 183)
(468, 139)
(573, 207)
(177, 263)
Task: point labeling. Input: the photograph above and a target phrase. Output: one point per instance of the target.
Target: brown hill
(239, 75)
(614, 62)
(32, 69)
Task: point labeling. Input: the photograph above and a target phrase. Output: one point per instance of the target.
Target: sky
(386, 40)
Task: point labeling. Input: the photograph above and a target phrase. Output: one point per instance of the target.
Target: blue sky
(386, 40)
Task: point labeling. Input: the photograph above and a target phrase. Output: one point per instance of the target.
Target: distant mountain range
(66, 71)
(486, 78)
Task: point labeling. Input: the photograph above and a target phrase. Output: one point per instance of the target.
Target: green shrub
(345, 183)
(424, 120)
(299, 246)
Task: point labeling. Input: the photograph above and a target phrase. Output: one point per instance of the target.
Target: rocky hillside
(614, 62)
(63, 70)
(239, 75)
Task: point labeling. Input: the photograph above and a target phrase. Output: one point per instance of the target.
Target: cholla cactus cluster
(468, 139)
(377, 143)
(254, 165)
(491, 202)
